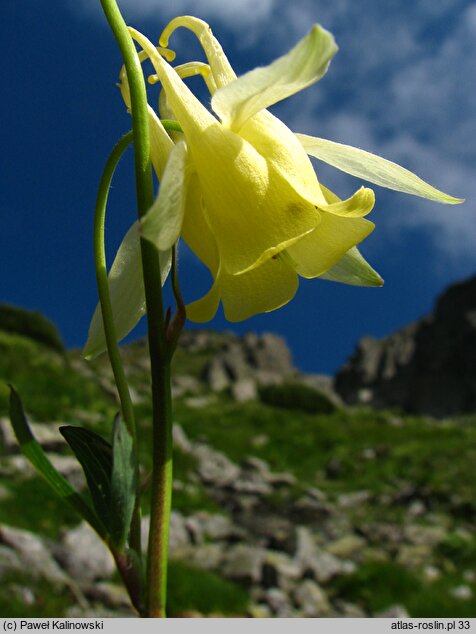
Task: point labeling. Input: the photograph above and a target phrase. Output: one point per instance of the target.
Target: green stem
(108, 320)
(159, 357)
(103, 285)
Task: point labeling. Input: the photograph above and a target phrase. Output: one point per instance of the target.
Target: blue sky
(402, 85)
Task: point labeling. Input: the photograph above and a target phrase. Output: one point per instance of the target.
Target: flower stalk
(156, 577)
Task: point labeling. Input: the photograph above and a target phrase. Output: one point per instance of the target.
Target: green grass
(33, 506)
(438, 458)
(190, 590)
(47, 601)
(377, 586)
(50, 388)
(428, 454)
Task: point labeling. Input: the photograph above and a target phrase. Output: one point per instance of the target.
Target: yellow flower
(240, 189)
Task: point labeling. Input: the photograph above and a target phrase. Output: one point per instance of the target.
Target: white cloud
(234, 13)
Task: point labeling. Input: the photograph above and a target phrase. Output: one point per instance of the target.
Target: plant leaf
(95, 456)
(32, 450)
(123, 482)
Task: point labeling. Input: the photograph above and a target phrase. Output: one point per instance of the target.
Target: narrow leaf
(32, 450)
(123, 482)
(95, 456)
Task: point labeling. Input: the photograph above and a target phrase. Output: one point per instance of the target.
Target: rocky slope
(286, 503)
(292, 548)
(428, 367)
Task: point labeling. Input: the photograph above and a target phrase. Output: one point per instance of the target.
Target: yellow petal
(221, 68)
(193, 117)
(195, 229)
(373, 168)
(253, 212)
(274, 140)
(358, 205)
(162, 223)
(160, 143)
(303, 65)
(261, 290)
(205, 308)
(321, 249)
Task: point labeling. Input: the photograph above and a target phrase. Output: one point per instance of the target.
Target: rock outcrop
(428, 367)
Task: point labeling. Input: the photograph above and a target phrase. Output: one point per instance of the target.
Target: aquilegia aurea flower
(237, 185)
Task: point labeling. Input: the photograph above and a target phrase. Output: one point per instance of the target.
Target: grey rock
(46, 434)
(305, 546)
(244, 390)
(207, 556)
(181, 440)
(233, 358)
(325, 385)
(110, 594)
(217, 527)
(353, 500)
(414, 556)
(315, 562)
(216, 375)
(278, 602)
(311, 599)
(22, 593)
(348, 610)
(279, 571)
(83, 554)
(185, 384)
(261, 440)
(4, 493)
(469, 576)
(346, 546)
(251, 485)
(35, 555)
(253, 465)
(259, 611)
(463, 592)
(244, 563)
(199, 402)
(98, 612)
(179, 536)
(431, 573)
(325, 567)
(416, 508)
(20, 468)
(9, 561)
(271, 531)
(214, 467)
(270, 352)
(393, 612)
(425, 368)
(424, 535)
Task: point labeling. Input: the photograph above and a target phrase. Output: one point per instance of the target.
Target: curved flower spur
(240, 189)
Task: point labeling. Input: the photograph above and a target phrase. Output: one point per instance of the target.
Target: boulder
(428, 367)
(82, 553)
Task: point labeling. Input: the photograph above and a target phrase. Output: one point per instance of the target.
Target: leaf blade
(123, 482)
(95, 457)
(33, 451)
